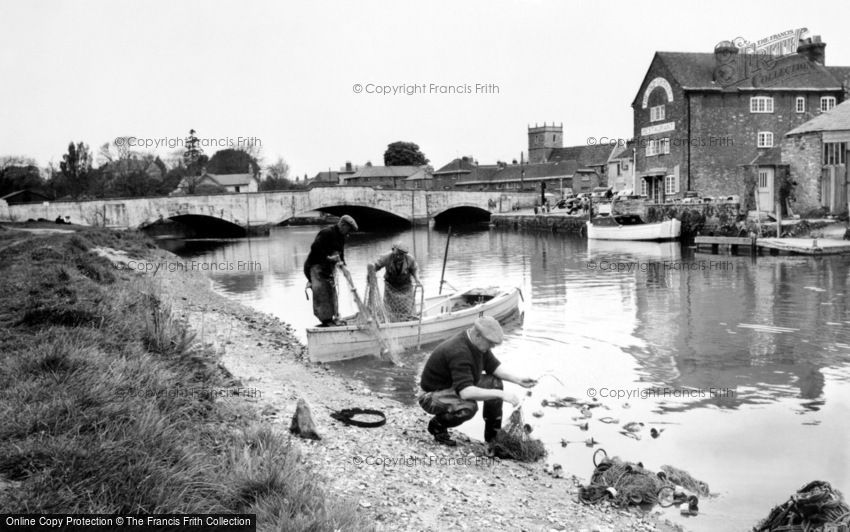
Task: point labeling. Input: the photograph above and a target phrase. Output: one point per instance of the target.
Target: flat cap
(401, 246)
(349, 220)
(489, 328)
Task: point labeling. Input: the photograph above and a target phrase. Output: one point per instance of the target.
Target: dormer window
(827, 103)
(656, 113)
(761, 104)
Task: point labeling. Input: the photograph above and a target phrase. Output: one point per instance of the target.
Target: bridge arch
(193, 226)
(368, 218)
(462, 213)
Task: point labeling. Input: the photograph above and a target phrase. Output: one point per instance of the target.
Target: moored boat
(443, 316)
(632, 228)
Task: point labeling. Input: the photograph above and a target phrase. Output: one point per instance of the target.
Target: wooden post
(778, 220)
(445, 257)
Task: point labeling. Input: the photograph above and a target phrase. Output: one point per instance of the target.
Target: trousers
(450, 410)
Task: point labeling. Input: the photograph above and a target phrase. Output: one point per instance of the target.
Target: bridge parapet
(265, 208)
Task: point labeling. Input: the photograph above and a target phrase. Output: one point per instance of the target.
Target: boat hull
(332, 344)
(666, 230)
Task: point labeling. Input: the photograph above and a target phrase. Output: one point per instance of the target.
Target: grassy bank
(106, 400)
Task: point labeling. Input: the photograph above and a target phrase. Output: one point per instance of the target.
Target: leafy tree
(404, 154)
(74, 171)
(19, 177)
(230, 161)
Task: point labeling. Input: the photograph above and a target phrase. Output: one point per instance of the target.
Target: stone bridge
(251, 211)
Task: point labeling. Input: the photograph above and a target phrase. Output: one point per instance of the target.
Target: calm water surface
(762, 346)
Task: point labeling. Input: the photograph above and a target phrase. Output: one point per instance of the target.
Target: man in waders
(462, 371)
(326, 251)
(399, 279)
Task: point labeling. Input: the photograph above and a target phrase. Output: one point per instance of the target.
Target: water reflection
(773, 330)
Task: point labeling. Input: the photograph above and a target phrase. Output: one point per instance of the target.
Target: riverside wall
(696, 218)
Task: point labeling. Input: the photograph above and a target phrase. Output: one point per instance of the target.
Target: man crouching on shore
(452, 381)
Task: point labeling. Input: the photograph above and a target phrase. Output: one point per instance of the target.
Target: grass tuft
(98, 409)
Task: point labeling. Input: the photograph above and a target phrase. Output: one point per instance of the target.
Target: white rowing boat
(626, 228)
(444, 315)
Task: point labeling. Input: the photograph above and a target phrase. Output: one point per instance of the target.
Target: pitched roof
(836, 119)
(532, 172)
(770, 157)
(696, 71)
(587, 155)
(230, 180)
(622, 152)
(384, 171)
(326, 177)
(457, 166)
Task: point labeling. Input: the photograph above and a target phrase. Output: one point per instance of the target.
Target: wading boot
(440, 433)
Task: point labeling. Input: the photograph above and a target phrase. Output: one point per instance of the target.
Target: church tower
(542, 139)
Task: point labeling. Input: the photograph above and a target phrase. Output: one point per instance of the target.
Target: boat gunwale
(503, 294)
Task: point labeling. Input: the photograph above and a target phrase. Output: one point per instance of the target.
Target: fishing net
(372, 317)
(625, 483)
(373, 300)
(512, 441)
(684, 479)
(815, 506)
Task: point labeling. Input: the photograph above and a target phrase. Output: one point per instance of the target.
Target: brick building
(816, 156)
(390, 177)
(712, 122)
(461, 169)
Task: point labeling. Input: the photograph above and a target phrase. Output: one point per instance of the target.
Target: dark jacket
(330, 240)
(456, 363)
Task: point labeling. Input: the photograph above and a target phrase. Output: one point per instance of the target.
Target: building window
(763, 176)
(643, 187)
(834, 152)
(761, 104)
(800, 104)
(827, 103)
(664, 146)
(656, 113)
(670, 184)
(765, 139)
(237, 189)
(651, 148)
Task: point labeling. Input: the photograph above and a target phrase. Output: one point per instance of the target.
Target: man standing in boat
(328, 248)
(452, 381)
(399, 278)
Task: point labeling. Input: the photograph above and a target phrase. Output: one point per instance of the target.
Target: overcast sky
(284, 73)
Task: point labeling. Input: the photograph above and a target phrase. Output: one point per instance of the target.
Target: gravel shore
(394, 473)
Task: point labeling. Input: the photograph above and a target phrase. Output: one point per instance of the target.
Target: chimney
(725, 63)
(813, 49)
(348, 166)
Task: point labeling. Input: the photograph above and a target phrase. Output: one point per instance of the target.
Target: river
(741, 363)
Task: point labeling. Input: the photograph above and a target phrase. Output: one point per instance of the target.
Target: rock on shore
(394, 473)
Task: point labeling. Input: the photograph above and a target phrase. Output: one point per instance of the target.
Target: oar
(372, 324)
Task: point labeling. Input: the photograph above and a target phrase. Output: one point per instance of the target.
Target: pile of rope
(815, 506)
(513, 441)
(624, 483)
(684, 479)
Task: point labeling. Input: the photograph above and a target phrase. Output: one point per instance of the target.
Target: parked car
(602, 193)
